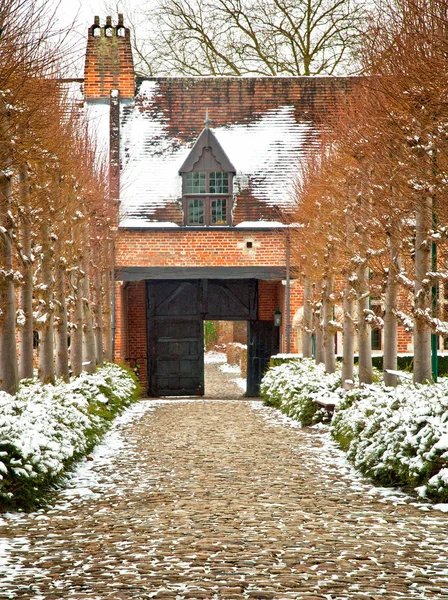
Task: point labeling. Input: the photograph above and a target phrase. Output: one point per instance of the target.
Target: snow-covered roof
(265, 126)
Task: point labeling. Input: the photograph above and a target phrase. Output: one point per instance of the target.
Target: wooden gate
(176, 310)
(175, 339)
(263, 343)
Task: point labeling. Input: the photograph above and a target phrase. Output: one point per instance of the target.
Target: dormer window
(219, 183)
(196, 183)
(207, 183)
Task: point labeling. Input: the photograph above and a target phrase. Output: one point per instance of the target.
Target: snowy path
(222, 499)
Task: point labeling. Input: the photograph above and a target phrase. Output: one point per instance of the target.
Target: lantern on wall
(277, 317)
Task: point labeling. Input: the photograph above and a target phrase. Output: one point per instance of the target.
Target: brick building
(202, 170)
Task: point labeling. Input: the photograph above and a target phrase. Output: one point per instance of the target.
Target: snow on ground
(227, 368)
(241, 383)
(332, 459)
(86, 482)
(214, 357)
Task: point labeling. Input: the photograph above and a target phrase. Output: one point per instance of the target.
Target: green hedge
(44, 429)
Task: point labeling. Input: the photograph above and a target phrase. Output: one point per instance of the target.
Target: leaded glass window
(219, 183)
(196, 183)
(219, 211)
(195, 211)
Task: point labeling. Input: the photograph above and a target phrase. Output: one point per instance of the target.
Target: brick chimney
(109, 64)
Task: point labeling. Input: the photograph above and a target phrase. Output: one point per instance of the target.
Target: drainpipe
(288, 293)
(113, 324)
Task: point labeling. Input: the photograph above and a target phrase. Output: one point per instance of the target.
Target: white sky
(81, 13)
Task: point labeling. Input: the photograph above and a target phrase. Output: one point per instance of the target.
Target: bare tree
(307, 340)
(25, 295)
(256, 37)
(8, 356)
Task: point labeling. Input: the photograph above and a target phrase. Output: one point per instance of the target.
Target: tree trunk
(364, 328)
(363, 287)
(422, 292)
(348, 335)
(8, 353)
(318, 336)
(89, 354)
(9, 375)
(25, 295)
(327, 317)
(60, 323)
(98, 318)
(46, 341)
(307, 325)
(76, 332)
(107, 315)
(390, 315)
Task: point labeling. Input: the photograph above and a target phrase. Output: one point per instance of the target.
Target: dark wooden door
(263, 343)
(175, 339)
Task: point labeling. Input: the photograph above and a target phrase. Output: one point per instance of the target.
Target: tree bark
(327, 317)
(422, 292)
(25, 295)
(390, 314)
(46, 340)
(9, 376)
(348, 336)
(98, 318)
(318, 336)
(364, 328)
(76, 332)
(307, 326)
(89, 354)
(107, 315)
(60, 323)
(8, 353)
(363, 288)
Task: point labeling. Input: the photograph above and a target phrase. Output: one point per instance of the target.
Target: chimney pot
(108, 65)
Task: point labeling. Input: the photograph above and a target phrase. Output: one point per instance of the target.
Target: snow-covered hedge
(399, 436)
(296, 385)
(44, 428)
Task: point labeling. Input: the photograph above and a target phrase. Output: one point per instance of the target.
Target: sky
(81, 14)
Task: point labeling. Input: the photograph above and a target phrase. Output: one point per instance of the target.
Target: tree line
(371, 208)
(55, 220)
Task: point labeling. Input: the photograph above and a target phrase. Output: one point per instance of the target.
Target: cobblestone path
(209, 499)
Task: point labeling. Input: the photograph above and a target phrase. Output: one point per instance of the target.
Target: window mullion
(208, 216)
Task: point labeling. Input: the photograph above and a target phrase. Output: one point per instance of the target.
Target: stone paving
(210, 499)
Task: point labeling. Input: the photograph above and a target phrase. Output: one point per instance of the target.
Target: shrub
(45, 428)
(295, 386)
(398, 436)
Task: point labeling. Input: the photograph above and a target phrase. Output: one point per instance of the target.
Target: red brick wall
(295, 302)
(404, 339)
(240, 332)
(268, 299)
(120, 350)
(136, 335)
(199, 248)
(225, 332)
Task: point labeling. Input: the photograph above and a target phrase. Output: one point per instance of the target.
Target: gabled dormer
(207, 183)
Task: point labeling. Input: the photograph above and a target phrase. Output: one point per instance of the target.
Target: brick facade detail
(185, 248)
